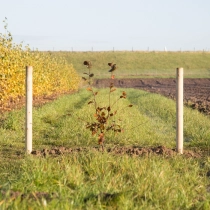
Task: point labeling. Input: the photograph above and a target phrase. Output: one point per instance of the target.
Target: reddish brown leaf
(84, 78)
(93, 133)
(103, 114)
(89, 89)
(112, 90)
(87, 63)
(111, 85)
(101, 138)
(124, 93)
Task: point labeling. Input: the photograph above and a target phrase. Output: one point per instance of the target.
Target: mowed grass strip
(100, 180)
(96, 180)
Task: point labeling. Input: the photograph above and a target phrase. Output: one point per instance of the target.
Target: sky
(106, 25)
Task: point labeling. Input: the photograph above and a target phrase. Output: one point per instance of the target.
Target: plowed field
(196, 91)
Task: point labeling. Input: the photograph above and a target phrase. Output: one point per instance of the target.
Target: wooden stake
(29, 103)
(179, 110)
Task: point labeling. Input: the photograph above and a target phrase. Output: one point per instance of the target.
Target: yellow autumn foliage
(50, 74)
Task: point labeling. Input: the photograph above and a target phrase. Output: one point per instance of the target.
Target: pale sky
(100, 25)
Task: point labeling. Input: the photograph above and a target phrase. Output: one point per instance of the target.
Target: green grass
(100, 180)
(142, 64)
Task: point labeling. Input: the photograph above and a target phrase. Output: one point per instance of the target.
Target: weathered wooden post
(179, 110)
(29, 103)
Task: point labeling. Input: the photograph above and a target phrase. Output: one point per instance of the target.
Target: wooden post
(179, 110)
(29, 102)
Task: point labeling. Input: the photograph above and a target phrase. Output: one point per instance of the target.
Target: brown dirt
(118, 150)
(196, 91)
(19, 102)
(31, 196)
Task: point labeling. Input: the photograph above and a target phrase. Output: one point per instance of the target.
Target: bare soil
(119, 150)
(196, 91)
(19, 102)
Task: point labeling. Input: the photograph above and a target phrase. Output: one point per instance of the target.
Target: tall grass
(100, 180)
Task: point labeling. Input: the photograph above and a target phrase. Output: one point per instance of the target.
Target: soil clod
(118, 150)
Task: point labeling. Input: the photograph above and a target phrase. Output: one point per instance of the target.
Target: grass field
(142, 64)
(100, 180)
